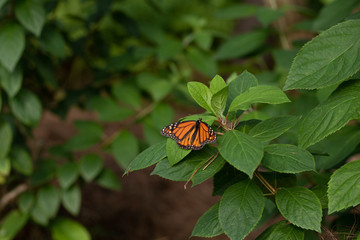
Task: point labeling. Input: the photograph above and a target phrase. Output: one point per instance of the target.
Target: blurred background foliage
(127, 61)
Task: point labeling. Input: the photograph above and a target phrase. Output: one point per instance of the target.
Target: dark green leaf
(71, 199)
(31, 15)
(67, 174)
(268, 15)
(48, 200)
(174, 153)
(90, 166)
(300, 206)
(52, 41)
(242, 151)
(162, 115)
(240, 209)
(226, 177)
(125, 148)
(11, 81)
(157, 87)
(108, 110)
(26, 107)
(241, 84)
(329, 58)
(6, 136)
(282, 230)
(12, 223)
(67, 229)
(89, 133)
(287, 158)
(208, 224)
(237, 11)
(127, 94)
(343, 187)
(21, 160)
(12, 45)
(201, 94)
(44, 171)
(108, 179)
(26, 202)
(203, 62)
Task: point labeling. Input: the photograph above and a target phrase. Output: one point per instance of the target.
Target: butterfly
(190, 134)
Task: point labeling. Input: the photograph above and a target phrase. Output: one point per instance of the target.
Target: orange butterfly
(190, 134)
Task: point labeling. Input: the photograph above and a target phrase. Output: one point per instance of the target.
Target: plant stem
(266, 183)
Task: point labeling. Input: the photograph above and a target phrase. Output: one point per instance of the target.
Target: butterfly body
(190, 134)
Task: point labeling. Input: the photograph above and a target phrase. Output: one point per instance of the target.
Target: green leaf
(282, 230)
(240, 209)
(26, 201)
(31, 15)
(218, 101)
(108, 179)
(44, 171)
(330, 116)
(217, 84)
(237, 11)
(174, 153)
(258, 94)
(90, 166)
(241, 84)
(234, 47)
(226, 177)
(109, 110)
(11, 81)
(125, 148)
(67, 229)
(329, 58)
(242, 151)
(21, 161)
(12, 45)
(89, 134)
(272, 128)
(327, 18)
(201, 94)
(300, 207)
(52, 41)
(67, 174)
(204, 39)
(26, 107)
(208, 224)
(39, 215)
(12, 223)
(71, 199)
(268, 15)
(2, 3)
(287, 158)
(148, 157)
(162, 115)
(201, 61)
(344, 185)
(128, 94)
(6, 136)
(48, 200)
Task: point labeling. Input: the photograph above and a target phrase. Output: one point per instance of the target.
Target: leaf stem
(266, 183)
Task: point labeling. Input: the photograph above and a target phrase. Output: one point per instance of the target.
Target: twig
(8, 197)
(266, 183)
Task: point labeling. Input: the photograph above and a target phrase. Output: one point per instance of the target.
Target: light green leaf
(12, 45)
(109, 180)
(71, 199)
(12, 223)
(208, 224)
(109, 110)
(344, 187)
(148, 157)
(287, 158)
(329, 58)
(240, 209)
(201, 61)
(201, 94)
(300, 206)
(218, 101)
(242, 151)
(330, 116)
(258, 94)
(217, 84)
(11, 81)
(282, 230)
(234, 47)
(66, 229)
(174, 153)
(125, 148)
(90, 166)
(6, 136)
(26, 107)
(31, 15)
(272, 128)
(67, 174)
(48, 200)
(26, 201)
(21, 160)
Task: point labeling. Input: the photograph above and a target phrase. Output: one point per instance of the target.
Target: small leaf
(300, 206)
(282, 230)
(11, 81)
(128, 94)
(174, 153)
(12, 223)
(109, 110)
(236, 11)
(234, 47)
(44, 171)
(26, 107)
(272, 128)
(240, 209)
(329, 58)
(217, 84)
(202, 61)
(90, 166)
(2, 3)
(287, 158)
(67, 229)
(67, 174)
(125, 148)
(148, 157)
(208, 224)
(268, 15)
(12, 45)
(52, 41)
(162, 115)
(344, 185)
(6, 136)
(48, 200)
(258, 94)
(241, 84)
(26, 202)
(201, 94)
(108, 179)
(242, 151)
(218, 101)
(21, 161)
(39, 215)
(71, 199)
(89, 133)
(31, 15)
